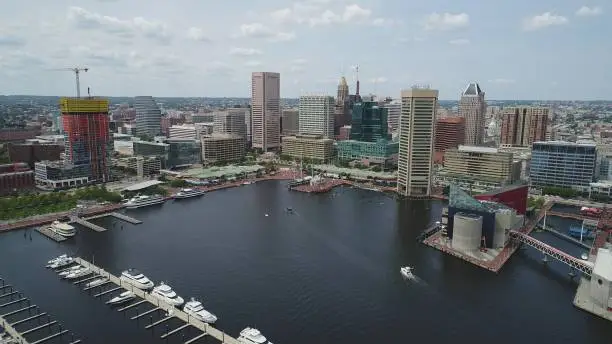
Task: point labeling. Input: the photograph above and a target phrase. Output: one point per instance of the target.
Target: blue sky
(519, 49)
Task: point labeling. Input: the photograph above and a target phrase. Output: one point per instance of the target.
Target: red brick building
(450, 133)
(15, 178)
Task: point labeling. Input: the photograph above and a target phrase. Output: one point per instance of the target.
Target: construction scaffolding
(88, 141)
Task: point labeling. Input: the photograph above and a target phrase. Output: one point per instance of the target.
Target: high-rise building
(290, 122)
(562, 164)
(265, 110)
(88, 142)
(450, 133)
(473, 107)
(369, 123)
(416, 146)
(148, 116)
(316, 148)
(316, 115)
(231, 121)
(394, 109)
(222, 148)
(524, 125)
(342, 109)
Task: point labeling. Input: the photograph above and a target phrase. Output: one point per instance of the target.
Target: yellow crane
(76, 71)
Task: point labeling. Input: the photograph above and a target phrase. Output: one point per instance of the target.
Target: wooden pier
(20, 318)
(44, 230)
(171, 311)
(88, 224)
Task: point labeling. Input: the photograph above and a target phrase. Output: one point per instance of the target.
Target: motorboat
(121, 298)
(196, 310)
(248, 182)
(188, 193)
(70, 270)
(78, 273)
(165, 293)
(58, 258)
(96, 282)
(63, 228)
(584, 256)
(61, 263)
(289, 210)
(144, 201)
(406, 271)
(252, 335)
(137, 279)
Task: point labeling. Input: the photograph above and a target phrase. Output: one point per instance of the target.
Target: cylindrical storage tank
(467, 231)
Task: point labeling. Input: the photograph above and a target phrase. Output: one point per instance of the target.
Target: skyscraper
(524, 125)
(369, 122)
(148, 116)
(473, 107)
(87, 144)
(450, 133)
(316, 115)
(265, 110)
(416, 145)
(342, 109)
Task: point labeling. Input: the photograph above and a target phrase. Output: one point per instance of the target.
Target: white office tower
(148, 116)
(316, 115)
(416, 142)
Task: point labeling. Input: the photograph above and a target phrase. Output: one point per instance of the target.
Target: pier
(158, 306)
(44, 230)
(117, 216)
(20, 318)
(88, 224)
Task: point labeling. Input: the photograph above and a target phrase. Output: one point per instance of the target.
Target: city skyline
(518, 50)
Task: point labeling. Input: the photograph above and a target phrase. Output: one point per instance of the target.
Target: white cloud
(245, 51)
(217, 68)
(253, 63)
(197, 34)
(543, 20)
(379, 80)
(313, 13)
(259, 30)
(10, 39)
(446, 21)
(384, 22)
(84, 19)
(459, 41)
(586, 11)
(502, 81)
(300, 61)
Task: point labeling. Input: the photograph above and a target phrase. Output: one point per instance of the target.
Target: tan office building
(265, 111)
(222, 148)
(313, 147)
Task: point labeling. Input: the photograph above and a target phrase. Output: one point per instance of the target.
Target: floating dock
(44, 230)
(118, 216)
(88, 224)
(170, 311)
(20, 318)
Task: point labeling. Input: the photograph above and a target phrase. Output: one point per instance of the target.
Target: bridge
(583, 266)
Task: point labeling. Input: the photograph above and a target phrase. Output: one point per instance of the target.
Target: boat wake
(415, 280)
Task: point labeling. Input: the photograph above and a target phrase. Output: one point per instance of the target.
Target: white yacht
(78, 273)
(96, 282)
(121, 298)
(187, 193)
(137, 279)
(166, 294)
(144, 201)
(406, 271)
(63, 229)
(58, 258)
(68, 271)
(252, 336)
(196, 310)
(61, 263)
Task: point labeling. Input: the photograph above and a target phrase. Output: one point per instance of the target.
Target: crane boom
(77, 71)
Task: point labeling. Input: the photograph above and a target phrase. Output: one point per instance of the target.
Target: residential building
(450, 133)
(416, 146)
(313, 147)
(316, 115)
(223, 148)
(14, 178)
(183, 152)
(524, 125)
(231, 122)
(473, 107)
(265, 111)
(148, 116)
(562, 164)
(290, 122)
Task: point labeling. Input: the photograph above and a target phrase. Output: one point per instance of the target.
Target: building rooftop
(143, 185)
(473, 89)
(451, 119)
(603, 264)
(477, 149)
(564, 143)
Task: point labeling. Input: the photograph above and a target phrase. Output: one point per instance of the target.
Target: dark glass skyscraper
(369, 123)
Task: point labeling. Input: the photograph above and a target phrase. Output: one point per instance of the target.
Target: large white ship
(188, 193)
(144, 201)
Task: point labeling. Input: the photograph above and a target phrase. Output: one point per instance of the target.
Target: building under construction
(88, 142)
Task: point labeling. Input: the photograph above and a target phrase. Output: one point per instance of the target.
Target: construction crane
(77, 71)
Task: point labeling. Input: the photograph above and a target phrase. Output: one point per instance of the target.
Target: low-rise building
(223, 148)
(183, 152)
(31, 153)
(382, 152)
(312, 147)
(15, 178)
(142, 166)
(60, 175)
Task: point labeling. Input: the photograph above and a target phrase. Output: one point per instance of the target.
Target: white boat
(78, 273)
(248, 182)
(63, 229)
(196, 310)
(58, 258)
(121, 298)
(187, 193)
(96, 282)
(61, 263)
(165, 293)
(252, 335)
(584, 256)
(137, 279)
(68, 271)
(406, 271)
(144, 201)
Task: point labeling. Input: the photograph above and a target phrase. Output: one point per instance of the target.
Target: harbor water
(326, 272)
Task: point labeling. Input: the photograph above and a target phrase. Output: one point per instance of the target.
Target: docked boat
(63, 228)
(68, 271)
(406, 271)
(188, 193)
(165, 293)
(96, 282)
(248, 182)
(61, 263)
(196, 310)
(58, 258)
(78, 273)
(252, 336)
(137, 279)
(121, 298)
(144, 201)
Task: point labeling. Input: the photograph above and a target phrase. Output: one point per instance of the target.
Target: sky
(515, 49)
